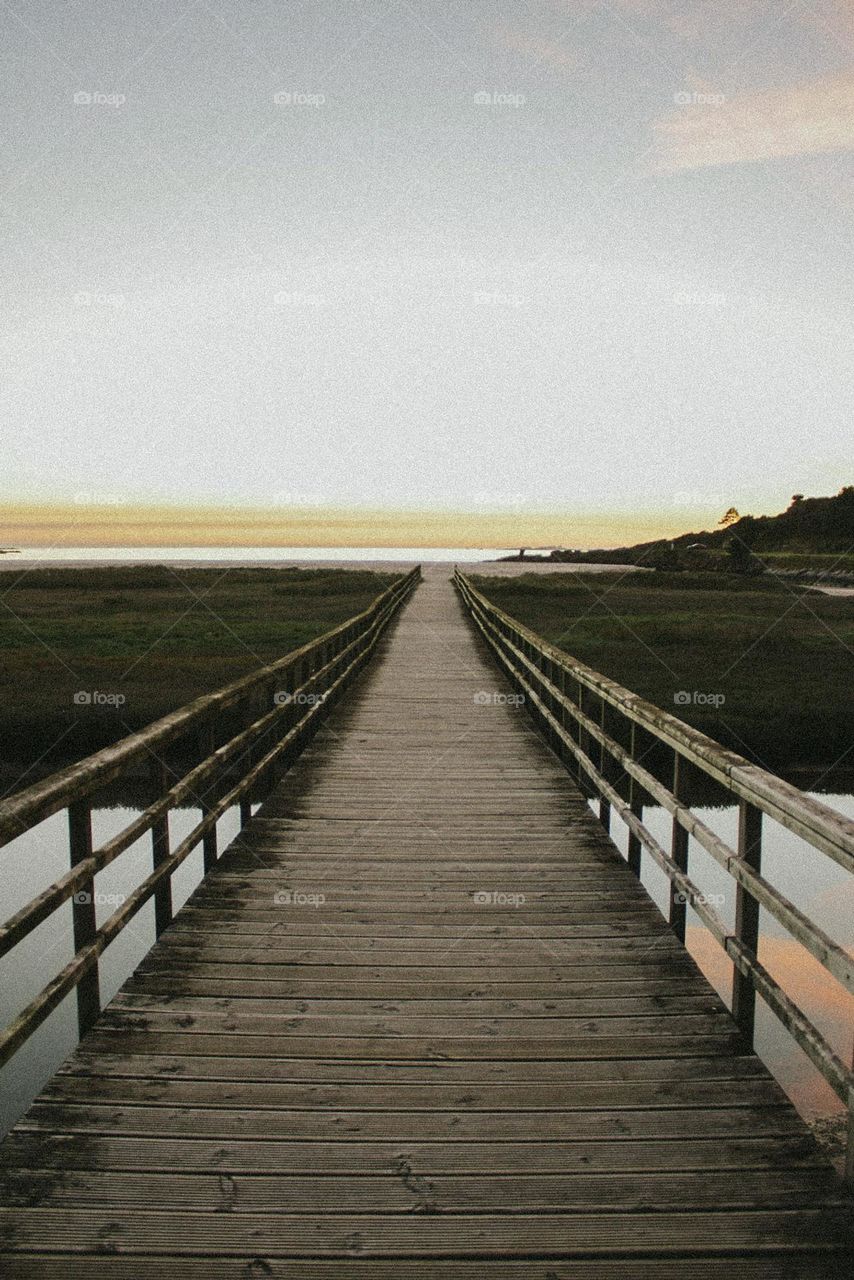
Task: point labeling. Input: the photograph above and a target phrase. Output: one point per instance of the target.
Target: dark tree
(741, 558)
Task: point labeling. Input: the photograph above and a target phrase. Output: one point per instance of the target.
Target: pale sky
(533, 256)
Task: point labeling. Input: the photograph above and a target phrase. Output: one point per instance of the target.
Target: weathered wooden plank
(542, 954)
(552, 967)
(40, 1148)
(480, 1236)
(426, 1071)
(249, 931)
(324, 1125)
(171, 984)
(411, 1025)
(401, 1048)
(39, 1266)
(335, 968)
(508, 1007)
(436, 1096)
(405, 1190)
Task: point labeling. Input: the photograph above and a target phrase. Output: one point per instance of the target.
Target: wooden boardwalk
(420, 1021)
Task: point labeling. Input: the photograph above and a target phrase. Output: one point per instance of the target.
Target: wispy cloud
(555, 53)
(806, 119)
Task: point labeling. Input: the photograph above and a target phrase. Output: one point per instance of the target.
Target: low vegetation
(88, 655)
(763, 668)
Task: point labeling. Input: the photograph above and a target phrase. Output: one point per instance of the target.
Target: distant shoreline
(247, 556)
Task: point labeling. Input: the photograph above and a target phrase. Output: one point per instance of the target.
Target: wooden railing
(235, 741)
(601, 732)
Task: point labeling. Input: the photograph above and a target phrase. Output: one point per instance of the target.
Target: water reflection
(816, 885)
(32, 863)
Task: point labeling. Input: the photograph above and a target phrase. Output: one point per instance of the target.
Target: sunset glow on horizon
(140, 525)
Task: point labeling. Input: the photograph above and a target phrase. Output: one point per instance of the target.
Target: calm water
(267, 555)
(813, 882)
(818, 887)
(30, 864)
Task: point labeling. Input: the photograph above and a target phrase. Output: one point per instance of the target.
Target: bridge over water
(421, 1018)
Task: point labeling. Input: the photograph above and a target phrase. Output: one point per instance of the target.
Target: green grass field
(782, 659)
(156, 637)
(826, 561)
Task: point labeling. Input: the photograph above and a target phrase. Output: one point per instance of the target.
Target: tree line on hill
(817, 526)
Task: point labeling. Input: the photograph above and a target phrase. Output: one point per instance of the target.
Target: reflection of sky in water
(818, 887)
(35, 861)
(815, 884)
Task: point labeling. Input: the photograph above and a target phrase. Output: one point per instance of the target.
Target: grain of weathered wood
(403, 1078)
(684, 1156)
(326, 1125)
(373, 1047)
(423, 1071)
(398, 1191)
(477, 1236)
(555, 1007)
(435, 1096)
(252, 1265)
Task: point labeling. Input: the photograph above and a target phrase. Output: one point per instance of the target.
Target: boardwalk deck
(420, 1020)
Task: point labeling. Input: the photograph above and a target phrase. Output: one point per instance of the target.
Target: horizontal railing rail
(283, 704)
(596, 727)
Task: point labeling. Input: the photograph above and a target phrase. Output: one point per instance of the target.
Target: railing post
(547, 671)
(747, 917)
(584, 780)
(565, 720)
(84, 913)
(297, 673)
(556, 677)
(677, 909)
(604, 765)
(572, 728)
(209, 843)
(635, 805)
(160, 852)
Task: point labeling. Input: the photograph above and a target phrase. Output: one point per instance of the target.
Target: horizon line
(64, 523)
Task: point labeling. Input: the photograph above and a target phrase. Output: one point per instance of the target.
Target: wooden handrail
(325, 666)
(825, 829)
(543, 672)
(85, 777)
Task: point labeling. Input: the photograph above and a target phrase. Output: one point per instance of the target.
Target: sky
(575, 269)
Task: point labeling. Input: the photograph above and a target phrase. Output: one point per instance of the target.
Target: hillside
(809, 526)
